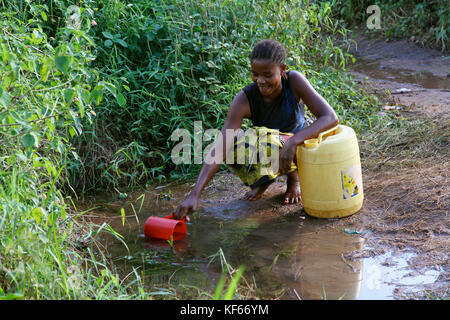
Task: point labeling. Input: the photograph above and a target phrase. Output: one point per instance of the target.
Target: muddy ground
(406, 194)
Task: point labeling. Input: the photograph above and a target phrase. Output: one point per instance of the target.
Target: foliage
(429, 20)
(46, 92)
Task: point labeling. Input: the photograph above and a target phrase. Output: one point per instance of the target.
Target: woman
(275, 104)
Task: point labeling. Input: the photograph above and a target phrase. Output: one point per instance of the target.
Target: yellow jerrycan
(330, 174)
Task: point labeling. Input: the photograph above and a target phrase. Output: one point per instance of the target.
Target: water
(375, 69)
(288, 256)
(382, 278)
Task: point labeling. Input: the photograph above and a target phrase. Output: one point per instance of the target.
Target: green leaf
(63, 63)
(37, 214)
(233, 284)
(76, 121)
(97, 95)
(37, 36)
(81, 109)
(122, 43)
(108, 43)
(121, 100)
(30, 140)
(44, 72)
(51, 170)
(4, 53)
(15, 69)
(111, 88)
(219, 288)
(44, 15)
(122, 213)
(69, 93)
(72, 131)
(5, 100)
(11, 296)
(84, 95)
(108, 35)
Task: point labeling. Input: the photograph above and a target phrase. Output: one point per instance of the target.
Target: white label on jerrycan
(351, 180)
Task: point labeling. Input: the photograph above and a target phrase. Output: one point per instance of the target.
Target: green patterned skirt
(255, 155)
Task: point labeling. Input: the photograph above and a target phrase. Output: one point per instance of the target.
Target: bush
(47, 88)
(428, 20)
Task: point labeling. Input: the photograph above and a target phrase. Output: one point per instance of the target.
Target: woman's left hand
(287, 154)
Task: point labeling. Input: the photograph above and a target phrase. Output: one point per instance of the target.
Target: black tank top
(284, 113)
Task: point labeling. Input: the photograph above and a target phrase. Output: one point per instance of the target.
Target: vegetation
(90, 93)
(427, 21)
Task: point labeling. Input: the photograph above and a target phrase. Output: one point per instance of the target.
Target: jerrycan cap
(165, 228)
(311, 143)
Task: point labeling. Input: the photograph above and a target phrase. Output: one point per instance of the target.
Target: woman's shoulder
(296, 81)
(240, 106)
(294, 76)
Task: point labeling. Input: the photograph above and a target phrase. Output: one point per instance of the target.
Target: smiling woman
(273, 103)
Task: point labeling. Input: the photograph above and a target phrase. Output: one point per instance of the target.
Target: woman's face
(267, 75)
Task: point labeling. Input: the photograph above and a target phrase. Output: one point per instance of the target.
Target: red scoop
(165, 228)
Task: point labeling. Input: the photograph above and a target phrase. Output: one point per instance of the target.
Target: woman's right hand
(187, 207)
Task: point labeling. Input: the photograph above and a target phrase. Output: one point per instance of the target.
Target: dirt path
(390, 67)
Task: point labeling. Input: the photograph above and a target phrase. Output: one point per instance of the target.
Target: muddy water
(286, 253)
(378, 70)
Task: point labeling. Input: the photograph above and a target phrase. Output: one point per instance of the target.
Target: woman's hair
(271, 50)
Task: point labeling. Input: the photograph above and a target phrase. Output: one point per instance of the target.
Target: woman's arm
(325, 115)
(239, 109)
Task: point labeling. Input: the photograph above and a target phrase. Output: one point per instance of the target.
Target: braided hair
(271, 50)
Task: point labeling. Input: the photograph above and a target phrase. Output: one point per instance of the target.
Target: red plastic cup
(165, 228)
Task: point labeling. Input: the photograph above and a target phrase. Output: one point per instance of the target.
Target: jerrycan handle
(312, 143)
(327, 133)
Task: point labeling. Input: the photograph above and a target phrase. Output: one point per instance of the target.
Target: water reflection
(425, 79)
(308, 261)
(321, 270)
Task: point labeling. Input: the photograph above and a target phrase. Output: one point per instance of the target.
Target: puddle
(425, 79)
(288, 256)
(385, 272)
